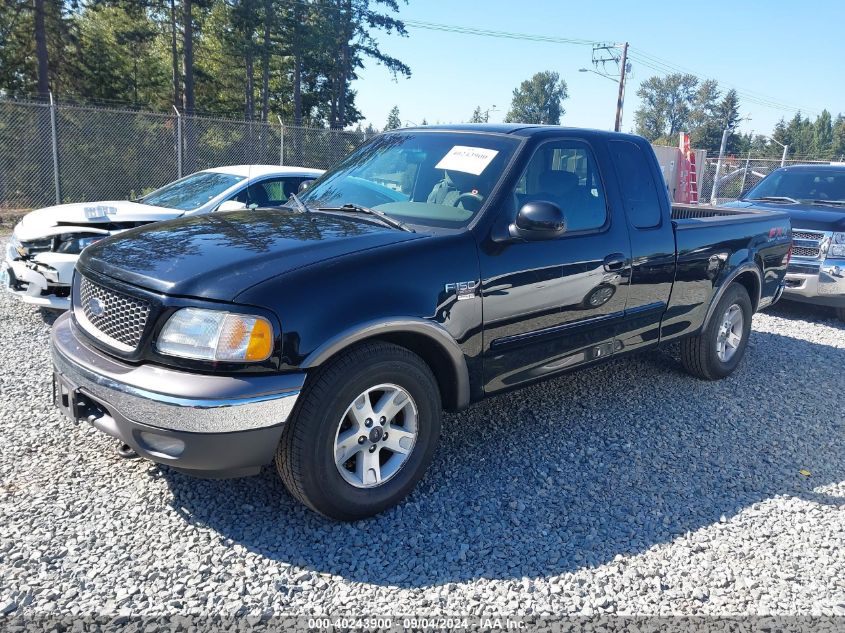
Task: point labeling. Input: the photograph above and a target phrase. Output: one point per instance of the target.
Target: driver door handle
(614, 262)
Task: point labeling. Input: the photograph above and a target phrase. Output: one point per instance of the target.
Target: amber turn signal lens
(260, 341)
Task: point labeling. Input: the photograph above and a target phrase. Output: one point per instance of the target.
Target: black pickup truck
(431, 268)
(814, 198)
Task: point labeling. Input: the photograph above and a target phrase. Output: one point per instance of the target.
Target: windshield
(429, 178)
(192, 191)
(803, 185)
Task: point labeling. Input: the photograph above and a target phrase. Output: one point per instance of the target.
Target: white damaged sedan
(42, 251)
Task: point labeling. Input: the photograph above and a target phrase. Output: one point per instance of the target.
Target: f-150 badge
(463, 289)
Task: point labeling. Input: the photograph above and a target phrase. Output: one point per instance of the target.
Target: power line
(750, 96)
(641, 57)
(636, 54)
(678, 68)
(469, 30)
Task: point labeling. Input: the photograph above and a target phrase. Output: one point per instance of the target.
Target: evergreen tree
(479, 116)
(348, 28)
(393, 120)
(837, 149)
(705, 127)
(823, 136)
(728, 118)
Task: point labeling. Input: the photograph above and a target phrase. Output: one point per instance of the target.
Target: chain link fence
(52, 153)
(738, 175)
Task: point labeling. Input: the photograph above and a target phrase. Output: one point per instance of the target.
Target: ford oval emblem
(96, 307)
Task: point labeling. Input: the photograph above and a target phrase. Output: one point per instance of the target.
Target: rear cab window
(638, 189)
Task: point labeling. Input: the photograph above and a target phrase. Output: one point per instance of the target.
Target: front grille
(803, 251)
(112, 316)
(807, 235)
(810, 243)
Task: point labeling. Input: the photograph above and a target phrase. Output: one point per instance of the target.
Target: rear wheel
(363, 434)
(718, 350)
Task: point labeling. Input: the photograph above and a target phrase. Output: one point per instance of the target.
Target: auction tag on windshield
(100, 211)
(471, 160)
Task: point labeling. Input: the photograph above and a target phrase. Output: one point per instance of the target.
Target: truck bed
(710, 242)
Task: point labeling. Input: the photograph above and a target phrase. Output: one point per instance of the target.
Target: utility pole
(609, 53)
(621, 98)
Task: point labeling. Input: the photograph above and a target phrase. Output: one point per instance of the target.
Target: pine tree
(479, 116)
(837, 149)
(823, 136)
(393, 120)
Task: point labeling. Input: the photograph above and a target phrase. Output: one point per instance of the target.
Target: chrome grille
(803, 251)
(807, 235)
(112, 316)
(807, 244)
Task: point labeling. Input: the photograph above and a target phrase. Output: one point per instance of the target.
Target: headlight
(74, 245)
(216, 335)
(837, 245)
(14, 248)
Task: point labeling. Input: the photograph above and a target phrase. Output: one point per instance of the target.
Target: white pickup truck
(45, 244)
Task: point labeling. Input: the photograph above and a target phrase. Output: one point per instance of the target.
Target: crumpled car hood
(78, 216)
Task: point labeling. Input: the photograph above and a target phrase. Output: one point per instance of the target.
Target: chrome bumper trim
(829, 281)
(181, 408)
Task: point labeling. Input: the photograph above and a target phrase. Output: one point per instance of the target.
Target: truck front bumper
(206, 425)
(822, 283)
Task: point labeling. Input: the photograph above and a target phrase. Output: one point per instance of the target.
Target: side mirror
(231, 205)
(304, 185)
(538, 220)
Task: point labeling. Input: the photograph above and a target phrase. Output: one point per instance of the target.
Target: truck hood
(803, 216)
(82, 215)
(219, 255)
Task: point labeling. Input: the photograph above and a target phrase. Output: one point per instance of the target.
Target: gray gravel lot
(629, 488)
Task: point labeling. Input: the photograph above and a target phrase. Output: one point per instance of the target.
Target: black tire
(698, 353)
(840, 312)
(305, 457)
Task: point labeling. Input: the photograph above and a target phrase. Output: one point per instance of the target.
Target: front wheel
(718, 350)
(363, 434)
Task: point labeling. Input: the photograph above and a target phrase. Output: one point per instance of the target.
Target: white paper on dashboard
(471, 160)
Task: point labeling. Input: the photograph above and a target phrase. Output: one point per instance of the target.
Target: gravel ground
(629, 488)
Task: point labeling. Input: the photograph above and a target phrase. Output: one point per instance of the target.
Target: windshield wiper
(381, 215)
(300, 205)
(776, 199)
(834, 203)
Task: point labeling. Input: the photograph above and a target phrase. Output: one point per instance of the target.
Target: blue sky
(779, 51)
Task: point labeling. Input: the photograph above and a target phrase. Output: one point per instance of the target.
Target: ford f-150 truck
(429, 269)
(814, 198)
